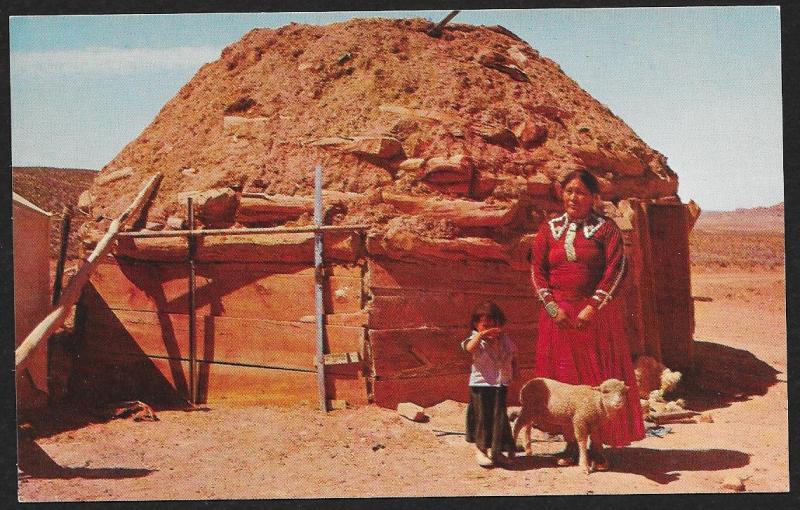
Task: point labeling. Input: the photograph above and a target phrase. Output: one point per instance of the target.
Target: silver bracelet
(551, 308)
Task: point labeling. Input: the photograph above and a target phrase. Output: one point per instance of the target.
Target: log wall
(405, 313)
(251, 318)
(419, 312)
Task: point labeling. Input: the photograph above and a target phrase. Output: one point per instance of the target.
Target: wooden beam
(243, 231)
(437, 30)
(71, 294)
(318, 301)
(62, 254)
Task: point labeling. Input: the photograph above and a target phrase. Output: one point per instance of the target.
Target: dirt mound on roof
(387, 110)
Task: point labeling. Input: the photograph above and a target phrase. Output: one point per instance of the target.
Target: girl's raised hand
(490, 333)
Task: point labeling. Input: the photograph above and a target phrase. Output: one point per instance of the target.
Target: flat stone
(412, 411)
(733, 483)
(114, 176)
(214, 207)
(85, 201)
(411, 164)
(530, 134)
(175, 222)
(455, 169)
(384, 147)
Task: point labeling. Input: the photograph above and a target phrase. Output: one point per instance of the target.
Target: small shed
(31, 231)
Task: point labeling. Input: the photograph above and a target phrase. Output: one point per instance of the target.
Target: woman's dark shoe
(601, 461)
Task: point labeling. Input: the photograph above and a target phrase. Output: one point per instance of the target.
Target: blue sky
(701, 85)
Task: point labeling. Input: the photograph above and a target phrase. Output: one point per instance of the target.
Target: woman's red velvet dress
(599, 351)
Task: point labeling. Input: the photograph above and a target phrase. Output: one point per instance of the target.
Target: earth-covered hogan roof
(458, 136)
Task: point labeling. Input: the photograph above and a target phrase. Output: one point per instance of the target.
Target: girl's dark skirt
(487, 419)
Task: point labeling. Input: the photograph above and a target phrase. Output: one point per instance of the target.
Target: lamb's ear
(596, 388)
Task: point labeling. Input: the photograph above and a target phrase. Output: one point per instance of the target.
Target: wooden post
(437, 30)
(192, 305)
(73, 290)
(323, 399)
(62, 254)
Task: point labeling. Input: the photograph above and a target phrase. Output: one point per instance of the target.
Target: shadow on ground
(34, 462)
(664, 466)
(722, 375)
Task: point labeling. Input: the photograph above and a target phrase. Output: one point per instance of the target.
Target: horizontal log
(413, 352)
(618, 162)
(471, 276)
(257, 208)
(409, 309)
(429, 391)
(423, 392)
(462, 213)
(409, 245)
(275, 208)
(275, 247)
(353, 319)
(539, 185)
(419, 113)
(230, 290)
(341, 358)
(220, 339)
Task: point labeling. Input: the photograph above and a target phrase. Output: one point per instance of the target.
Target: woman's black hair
(488, 310)
(588, 180)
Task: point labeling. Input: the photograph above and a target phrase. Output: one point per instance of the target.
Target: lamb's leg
(582, 436)
(523, 421)
(528, 449)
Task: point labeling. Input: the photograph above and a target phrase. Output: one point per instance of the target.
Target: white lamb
(554, 406)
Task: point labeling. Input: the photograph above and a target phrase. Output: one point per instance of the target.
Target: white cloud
(109, 61)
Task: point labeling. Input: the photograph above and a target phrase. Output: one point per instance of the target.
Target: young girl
(494, 365)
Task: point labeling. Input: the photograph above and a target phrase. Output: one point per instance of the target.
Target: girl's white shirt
(492, 362)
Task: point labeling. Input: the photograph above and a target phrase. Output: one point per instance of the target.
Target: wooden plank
(429, 391)
(222, 339)
(401, 353)
(407, 245)
(483, 277)
(409, 309)
(273, 247)
(423, 392)
(105, 377)
(275, 296)
(672, 287)
(463, 213)
(355, 319)
(275, 208)
(102, 377)
(225, 290)
(221, 383)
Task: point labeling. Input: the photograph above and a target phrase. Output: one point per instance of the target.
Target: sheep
(653, 378)
(553, 406)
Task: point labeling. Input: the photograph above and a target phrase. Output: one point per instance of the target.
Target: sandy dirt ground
(257, 452)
